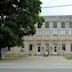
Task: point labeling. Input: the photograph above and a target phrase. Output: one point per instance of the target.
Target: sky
(66, 10)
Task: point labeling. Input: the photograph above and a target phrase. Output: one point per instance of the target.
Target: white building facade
(54, 37)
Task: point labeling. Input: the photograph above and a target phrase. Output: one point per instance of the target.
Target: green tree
(17, 19)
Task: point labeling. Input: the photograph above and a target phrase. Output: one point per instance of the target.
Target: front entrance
(46, 49)
(55, 49)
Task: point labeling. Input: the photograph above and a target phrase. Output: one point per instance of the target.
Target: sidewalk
(41, 60)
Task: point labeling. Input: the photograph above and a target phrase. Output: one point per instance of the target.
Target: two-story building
(53, 37)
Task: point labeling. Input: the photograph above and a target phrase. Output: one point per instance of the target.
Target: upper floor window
(54, 24)
(70, 24)
(46, 32)
(22, 46)
(46, 24)
(38, 32)
(55, 32)
(62, 24)
(39, 26)
(70, 32)
(62, 32)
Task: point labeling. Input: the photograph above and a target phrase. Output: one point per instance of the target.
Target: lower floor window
(30, 47)
(63, 47)
(38, 49)
(71, 47)
(55, 49)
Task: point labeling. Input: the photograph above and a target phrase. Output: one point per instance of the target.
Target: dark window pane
(38, 49)
(71, 47)
(30, 47)
(70, 24)
(22, 46)
(62, 24)
(54, 24)
(39, 26)
(46, 24)
(63, 47)
(55, 49)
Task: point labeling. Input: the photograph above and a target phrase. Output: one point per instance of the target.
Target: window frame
(64, 47)
(46, 24)
(39, 48)
(70, 24)
(70, 47)
(47, 32)
(30, 47)
(54, 24)
(55, 32)
(62, 24)
(62, 32)
(38, 26)
(70, 32)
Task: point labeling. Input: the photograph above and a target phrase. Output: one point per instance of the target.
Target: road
(35, 70)
(37, 64)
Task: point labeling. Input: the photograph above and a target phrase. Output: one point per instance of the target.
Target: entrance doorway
(46, 49)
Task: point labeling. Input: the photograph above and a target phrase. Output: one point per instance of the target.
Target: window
(63, 47)
(46, 32)
(39, 26)
(62, 32)
(55, 47)
(38, 32)
(39, 47)
(47, 45)
(54, 24)
(46, 24)
(30, 47)
(55, 32)
(22, 46)
(71, 47)
(70, 32)
(70, 24)
(62, 24)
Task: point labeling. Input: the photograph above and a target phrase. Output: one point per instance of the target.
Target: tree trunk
(0, 54)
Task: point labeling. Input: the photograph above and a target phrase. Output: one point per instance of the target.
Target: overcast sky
(56, 10)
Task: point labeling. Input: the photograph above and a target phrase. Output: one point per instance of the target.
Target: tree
(17, 19)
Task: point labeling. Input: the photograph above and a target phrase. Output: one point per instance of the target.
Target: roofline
(56, 15)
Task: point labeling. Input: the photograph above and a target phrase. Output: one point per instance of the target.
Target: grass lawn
(13, 57)
(68, 57)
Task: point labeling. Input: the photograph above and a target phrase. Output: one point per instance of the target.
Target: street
(37, 64)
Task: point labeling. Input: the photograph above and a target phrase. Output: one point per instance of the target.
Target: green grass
(13, 57)
(68, 57)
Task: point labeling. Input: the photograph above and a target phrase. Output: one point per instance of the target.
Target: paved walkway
(45, 60)
(41, 60)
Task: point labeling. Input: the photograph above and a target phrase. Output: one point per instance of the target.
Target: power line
(57, 6)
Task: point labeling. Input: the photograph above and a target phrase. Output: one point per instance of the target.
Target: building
(54, 37)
